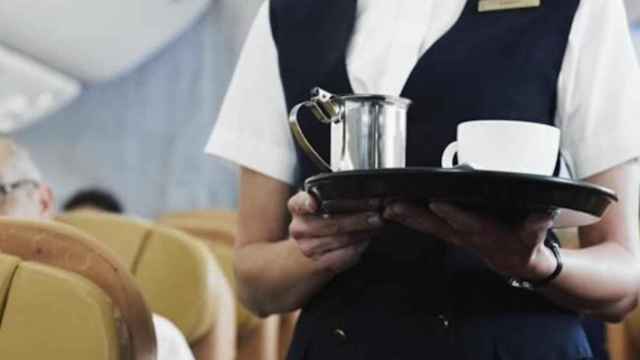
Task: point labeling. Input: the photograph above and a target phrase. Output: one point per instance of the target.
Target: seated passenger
(94, 199)
(24, 194)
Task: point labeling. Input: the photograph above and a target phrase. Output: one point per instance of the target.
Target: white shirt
(171, 344)
(598, 89)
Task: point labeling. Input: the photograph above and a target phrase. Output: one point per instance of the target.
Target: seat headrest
(124, 236)
(218, 225)
(63, 247)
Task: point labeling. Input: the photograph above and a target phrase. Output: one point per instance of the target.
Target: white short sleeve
(171, 343)
(252, 129)
(599, 90)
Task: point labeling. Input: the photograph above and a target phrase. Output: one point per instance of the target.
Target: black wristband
(555, 249)
(537, 284)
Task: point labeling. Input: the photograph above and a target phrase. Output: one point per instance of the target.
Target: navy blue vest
(411, 296)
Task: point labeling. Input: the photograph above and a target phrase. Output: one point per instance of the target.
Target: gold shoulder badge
(499, 5)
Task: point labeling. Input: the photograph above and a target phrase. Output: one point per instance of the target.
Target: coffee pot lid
(393, 100)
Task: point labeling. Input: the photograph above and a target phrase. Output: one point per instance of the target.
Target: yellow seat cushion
(173, 270)
(54, 314)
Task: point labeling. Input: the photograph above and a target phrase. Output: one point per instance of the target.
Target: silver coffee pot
(367, 131)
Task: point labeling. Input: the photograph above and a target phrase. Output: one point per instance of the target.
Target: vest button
(443, 319)
(340, 334)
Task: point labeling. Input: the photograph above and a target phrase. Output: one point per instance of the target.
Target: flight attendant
(418, 281)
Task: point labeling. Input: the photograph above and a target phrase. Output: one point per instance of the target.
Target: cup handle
(448, 155)
(302, 140)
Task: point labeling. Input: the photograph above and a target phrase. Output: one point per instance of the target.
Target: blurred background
(122, 95)
(135, 125)
(140, 130)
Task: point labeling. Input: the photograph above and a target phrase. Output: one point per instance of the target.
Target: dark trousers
(596, 334)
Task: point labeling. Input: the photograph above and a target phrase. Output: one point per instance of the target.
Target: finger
(421, 219)
(317, 226)
(534, 229)
(459, 219)
(345, 241)
(539, 221)
(317, 247)
(302, 204)
(353, 206)
(344, 258)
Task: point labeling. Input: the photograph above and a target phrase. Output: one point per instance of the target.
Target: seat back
(263, 339)
(175, 272)
(55, 314)
(61, 291)
(217, 229)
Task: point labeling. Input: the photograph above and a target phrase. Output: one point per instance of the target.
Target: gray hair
(16, 163)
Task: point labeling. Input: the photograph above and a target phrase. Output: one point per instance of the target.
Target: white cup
(505, 145)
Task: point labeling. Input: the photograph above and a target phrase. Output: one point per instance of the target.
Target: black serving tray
(509, 196)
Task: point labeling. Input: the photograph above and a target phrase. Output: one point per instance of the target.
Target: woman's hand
(281, 263)
(511, 250)
(336, 242)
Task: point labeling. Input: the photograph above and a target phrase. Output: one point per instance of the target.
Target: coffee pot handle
(301, 139)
